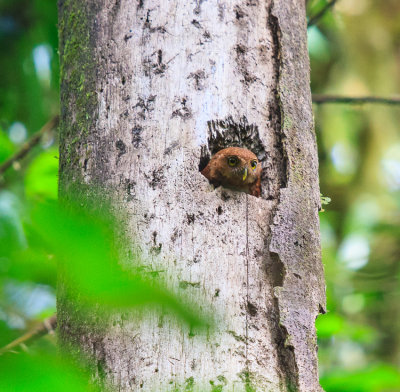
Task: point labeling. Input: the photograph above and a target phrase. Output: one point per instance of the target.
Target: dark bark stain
(154, 64)
(251, 309)
(190, 218)
(197, 9)
(144, 106)
(183, 112)
(241, 61)
(239, 13)
(221, 12)
(156, 248)
(115, 9)
(149, 28)
(130, 189)
(198, 77)
(169, 149)
(121, 147)
(136, 136)
(157, 177)
(207, 36)
(184, 284)
(196, 23)
(263, 53)
(197, 259)
(176, 233)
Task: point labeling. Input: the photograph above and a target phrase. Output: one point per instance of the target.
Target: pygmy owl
(235, 168)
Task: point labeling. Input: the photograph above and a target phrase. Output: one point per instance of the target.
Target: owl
(235, 168)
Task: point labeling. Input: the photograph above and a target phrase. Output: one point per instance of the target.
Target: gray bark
(149, 90)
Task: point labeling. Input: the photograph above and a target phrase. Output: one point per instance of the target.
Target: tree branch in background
(321, 98)
(44, 328)
(313, 20)
(32, 142)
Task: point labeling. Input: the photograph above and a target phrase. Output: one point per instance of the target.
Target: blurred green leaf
(12, 236)
(43, 372)
(378, 378)
(318, 45)
(334, 325)
(88, 248)
(6, 146)
(41, 180)
(329, 324)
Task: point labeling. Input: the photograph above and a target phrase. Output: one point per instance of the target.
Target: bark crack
(286, 353)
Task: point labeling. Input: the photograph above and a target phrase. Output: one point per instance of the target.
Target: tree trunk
(149, 90)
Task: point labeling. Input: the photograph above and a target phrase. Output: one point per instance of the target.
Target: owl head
(234, 167)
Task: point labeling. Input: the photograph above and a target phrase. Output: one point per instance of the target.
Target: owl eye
(233, 161)
(253, 164)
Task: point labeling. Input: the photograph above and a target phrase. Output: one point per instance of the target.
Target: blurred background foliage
(355, 51)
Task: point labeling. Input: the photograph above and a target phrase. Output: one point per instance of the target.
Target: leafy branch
(32, 142)
(315, 19)
(44, 328)
(321, 99)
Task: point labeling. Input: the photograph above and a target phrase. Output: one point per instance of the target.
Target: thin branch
(32, 142)
(44, 328)
(315, 19)
(321, 98)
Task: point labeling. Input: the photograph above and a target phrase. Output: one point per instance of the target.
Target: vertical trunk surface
(149, 90)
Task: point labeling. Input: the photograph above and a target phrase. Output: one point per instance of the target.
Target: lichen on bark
(78, 84)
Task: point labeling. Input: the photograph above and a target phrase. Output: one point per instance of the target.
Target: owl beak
(245, 174)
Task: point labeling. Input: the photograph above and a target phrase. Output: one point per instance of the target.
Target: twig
(321, 98)
(313, 20)
(44, 328)
(27, 146)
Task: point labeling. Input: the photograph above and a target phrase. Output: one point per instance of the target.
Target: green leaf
(6, 146)
(376, 378)
(88, 249)
(25, 373)
(42, 176)
(329, 324)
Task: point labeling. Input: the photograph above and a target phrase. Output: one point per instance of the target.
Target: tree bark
(149, 90)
